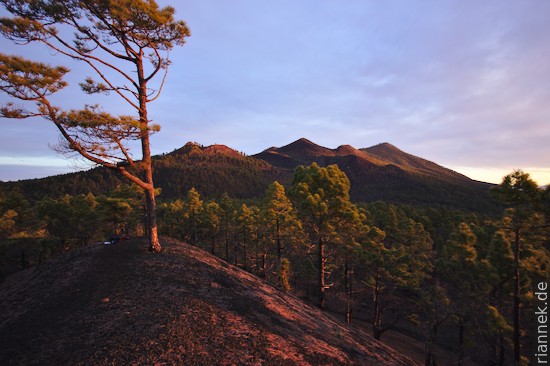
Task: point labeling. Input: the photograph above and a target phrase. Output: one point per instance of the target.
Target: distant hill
(381, 172)
(120, 305)
(212, 170)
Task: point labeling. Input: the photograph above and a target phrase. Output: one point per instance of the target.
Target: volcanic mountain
(383, 155)
(384, 172)
(120, 305)
(381, 172)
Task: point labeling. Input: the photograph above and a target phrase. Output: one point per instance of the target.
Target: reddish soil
(120, 305)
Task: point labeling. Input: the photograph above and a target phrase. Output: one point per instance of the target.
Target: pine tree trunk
(377, 316)
(264, 265)
(348, 289)
(321, 278)
(460, 342)
(430, 356)
(226, 238)
(516, 321)
(245, 261)
(193, 229)
(154, 244)
(235, 244)
(279, 247)
(152, 230)
(501, 349)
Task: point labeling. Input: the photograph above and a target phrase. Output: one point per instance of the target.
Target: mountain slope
(119, 304)
(389, 154)
(212, 170)
(383, 172)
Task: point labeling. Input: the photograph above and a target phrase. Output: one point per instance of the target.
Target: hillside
(389, 154)
(212, 170)
(118, 304)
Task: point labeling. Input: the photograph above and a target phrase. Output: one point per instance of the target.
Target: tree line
(33, 231)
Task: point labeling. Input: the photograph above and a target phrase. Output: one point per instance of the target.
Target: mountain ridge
(381, 172)
(382, 154)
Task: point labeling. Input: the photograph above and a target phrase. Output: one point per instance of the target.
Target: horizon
(462, 84)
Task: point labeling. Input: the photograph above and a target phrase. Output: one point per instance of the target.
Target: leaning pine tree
(126, 44)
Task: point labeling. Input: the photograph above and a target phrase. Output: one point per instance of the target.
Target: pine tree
(398, 258)
(126, 44)
(322, 199)
(7, 223)
(227, 214)
(500, 261)
(520, 193)
(460, 270)
(282, 227)
(210, 222)
(247, 218)
(191, 210)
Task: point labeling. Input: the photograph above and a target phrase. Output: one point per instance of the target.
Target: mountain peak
(216, 149)
(304, 148)
(220, 149)
(385, 146)
(346, 150)
(304, 140)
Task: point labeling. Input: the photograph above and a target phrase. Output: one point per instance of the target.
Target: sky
(463, 83)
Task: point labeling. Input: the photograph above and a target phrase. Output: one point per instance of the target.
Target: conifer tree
(126, 45)
(460, 269)
(500, 261)
(192, 206)
(351, 232)
(520, 193)
(322, 198)
(171, 215)
(398, 259)
(282, 227)
(116, 212)
(210, 222)
(71, 217)
(7, 223)
(284, 274)
(227, 212)
(16, 210)
(247, 219)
